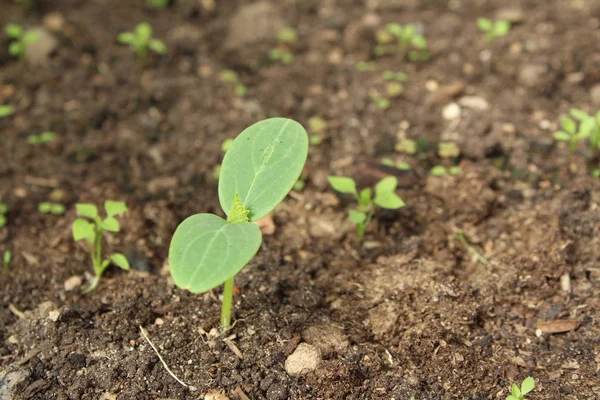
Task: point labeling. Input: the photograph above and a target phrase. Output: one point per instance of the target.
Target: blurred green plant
(20, 40)
(402, 39)
(282, 52)
(6, 110)
(493, 29)
(141, 40)
(231, 77)
(51, 208)
(42, 138)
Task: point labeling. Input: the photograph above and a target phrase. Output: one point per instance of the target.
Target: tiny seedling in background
(6, 110)
(51, 208)
(395, 83)
(440, 170)
(3, 211)
(493, 29)
(448, 150)
(573, 133)
(92, 232)
(385, 197)
(42, 138)
(317, 127)
(407, 146)
(282, 53)
(258, 171)
(380, 101)
(20, 40)
(6, 259)
(403, 165)
(231, 77)
(300, 184)
(162, 4)
(363, 66)
(406, 40)
(519, 393)
(141, 41)
(225, 145)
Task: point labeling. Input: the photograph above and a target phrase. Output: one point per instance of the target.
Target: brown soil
(411, 312)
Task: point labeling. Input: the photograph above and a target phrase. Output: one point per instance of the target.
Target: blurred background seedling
(6, 110)
(395, 83)
(51, 208)
(3, 211)
(402, 165)
(404, 40)
(406, 146)
(578, 126)
(363, 66)
(282, 52)
(440, 170)
(380, 101)
(316, 127)
(231, 77)
(42, 138)
(448, 150)
(141, 40)
(20, 40)
(493, 29)
(6, 259)
(160, 4)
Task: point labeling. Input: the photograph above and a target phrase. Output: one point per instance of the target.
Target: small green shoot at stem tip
(518, 393)
(385, 197)
(20, 40)
(493, 29)
(6, 110)
(141, 41)
(578, 126)
(6, 259)
(262, 165)
(3, 211)
(91, 228)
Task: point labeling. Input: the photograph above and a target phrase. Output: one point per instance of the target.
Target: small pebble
(73, 283)
(451, 111)
(304, 359)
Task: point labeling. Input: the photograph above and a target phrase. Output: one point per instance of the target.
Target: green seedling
(6, 110)
(448, 150)
(440, 170)
(405, 40)
(231, 77)
(460, 237)
(395, 83)
(51, 208)
(3, 211)
(596, 173)
(261, 167)
(493, 29)
(317, 127)
(519, 393)
(6, 259)
(579, 126)
(407, 146)
(92, 232)
(162, 4)
(380, 101)
(282, 53)
(20, 40)
(42, 138)
(363, 66)
(402, 165)
(141, 41)
(300, 184)
(385, 197)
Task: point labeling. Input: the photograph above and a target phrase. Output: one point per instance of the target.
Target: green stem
(227, 304)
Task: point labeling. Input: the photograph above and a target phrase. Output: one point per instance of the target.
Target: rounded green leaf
(126, 38)
(438, 170)
(44, 207)
(262, 165)
(6, 110)
(516, 391)
(527, 385)
(157, 46)
(87, 210)
(114, 207)
(342, 184)
(358, 217)
(144, 31)
(386, 185)
(120, 261)
(364, 198)
(2, 221)
(501, 28)
(484, 24)
(579, 114)
(13, 31)
(206, 251)
(16, 48)
(568, 124)
(57, 209)
(389, 200)
(110, 224)
(83, 229)
(562, 136)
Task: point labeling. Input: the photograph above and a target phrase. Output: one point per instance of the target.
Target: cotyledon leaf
(206, 251)
(262, 165)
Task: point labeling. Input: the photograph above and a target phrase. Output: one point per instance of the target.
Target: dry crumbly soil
(411, 312)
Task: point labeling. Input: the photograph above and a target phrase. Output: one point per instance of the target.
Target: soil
(411, 311)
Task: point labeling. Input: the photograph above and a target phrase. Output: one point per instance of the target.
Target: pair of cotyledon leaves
(260, 168)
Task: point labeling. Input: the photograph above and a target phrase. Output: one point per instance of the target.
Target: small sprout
(394, 89)
(572, 133)
(448, 150)
(6, 259)
(162, 4)
(6, 110)
(231, 77)
(261, 167)
(394, 76)
(596, 173)
(300, 184)
(519, 393)
(379, 100)
(51, 208)
(225, 146)
(402, 165)
(385, 197)
(408, 42)
(20, 40)
(440, 170)
(407, 146)
(316, 125)
(42, 138)
(141, 40)
(92, 232)
(493, 29)
(3, 211)
(363, 66)
(282, 52)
